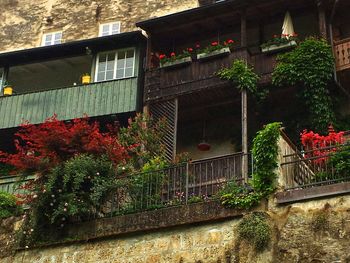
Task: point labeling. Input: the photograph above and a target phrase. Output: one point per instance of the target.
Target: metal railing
(319, 166)
(181, 184)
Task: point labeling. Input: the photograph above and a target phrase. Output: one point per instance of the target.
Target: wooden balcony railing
(342, 54)
(162, 83)
(95, 99)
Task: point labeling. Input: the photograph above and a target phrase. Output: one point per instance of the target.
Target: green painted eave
(97, 99)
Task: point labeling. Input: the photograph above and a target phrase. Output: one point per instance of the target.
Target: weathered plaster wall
(23, 22)
(313, 231)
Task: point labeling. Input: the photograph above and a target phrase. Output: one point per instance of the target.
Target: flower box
(275, 48)
(176, 63)
(216, 53)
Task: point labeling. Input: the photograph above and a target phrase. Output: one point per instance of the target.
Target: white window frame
(115, 64)
(110, 27)
(54, 38)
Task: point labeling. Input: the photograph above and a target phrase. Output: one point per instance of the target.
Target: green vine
(309, 66)
(265, 153)
(242, 75)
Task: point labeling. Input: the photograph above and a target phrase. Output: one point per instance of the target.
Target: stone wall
(23, 22)
(312, 231)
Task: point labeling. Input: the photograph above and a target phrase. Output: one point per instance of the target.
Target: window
(115, 65)
(52, 38)
(109, 29)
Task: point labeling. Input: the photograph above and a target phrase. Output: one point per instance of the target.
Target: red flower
(172, 54)
(230, 41)
(198, 45)
(215, 43)
(275, 36)
(190, 49)
(162, 56)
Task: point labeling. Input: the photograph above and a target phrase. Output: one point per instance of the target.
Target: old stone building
(24, 22)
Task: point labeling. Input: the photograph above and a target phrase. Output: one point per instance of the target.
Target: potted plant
(86, 78)
(215, 49)
(8, 90)
(279, 42)
(176, 60)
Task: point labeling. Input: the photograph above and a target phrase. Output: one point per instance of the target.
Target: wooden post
(322, 19)
(244, 105)
(149, 52)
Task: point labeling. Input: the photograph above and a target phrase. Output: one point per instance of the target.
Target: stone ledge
(152, 220)
(315, 192)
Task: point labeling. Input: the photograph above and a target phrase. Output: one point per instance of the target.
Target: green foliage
(5, 169)
(242, 75)
(145, 187)
(340, 161)
(265, 153)
(255, 229)
(235, 196)
(309, 66)
(146, 135)
(75, 190)
(8, 205)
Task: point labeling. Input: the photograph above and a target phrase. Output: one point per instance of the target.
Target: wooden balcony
(95, 99)
(342, 54)
(164, 83)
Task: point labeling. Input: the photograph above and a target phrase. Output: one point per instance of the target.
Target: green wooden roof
(96, 99)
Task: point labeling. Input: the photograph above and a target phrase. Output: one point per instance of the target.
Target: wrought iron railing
(319, 166)
(180, 184)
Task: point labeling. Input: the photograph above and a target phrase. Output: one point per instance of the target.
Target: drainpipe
(331, 37)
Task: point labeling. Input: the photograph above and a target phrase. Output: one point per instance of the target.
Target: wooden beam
(322, 22)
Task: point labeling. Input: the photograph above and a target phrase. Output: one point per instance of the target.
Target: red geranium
(230, 41)
(198, 46)
(190, 49)
(172, 54)
(215, 43)
(162, 56)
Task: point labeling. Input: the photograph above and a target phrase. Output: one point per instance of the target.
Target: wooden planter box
(177, 63)
(275, 48)
(217, 53)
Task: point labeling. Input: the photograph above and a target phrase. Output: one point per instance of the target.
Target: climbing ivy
(309, 66)
(242, 75)
(265, 153)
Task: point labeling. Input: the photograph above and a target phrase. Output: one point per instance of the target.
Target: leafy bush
(145, 187)
(265, 153)
(340, 161)
(242, 75)
(241, 197)
(254, 229)
(310, 65)
(8, 205)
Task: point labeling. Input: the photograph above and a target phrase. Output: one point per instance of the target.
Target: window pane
(120, 73)
(102, 66)
(128, 72)
(48, 38)
(100, 76)
(115, 28)
(109, 75)
(129, 62)
(130, 54)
